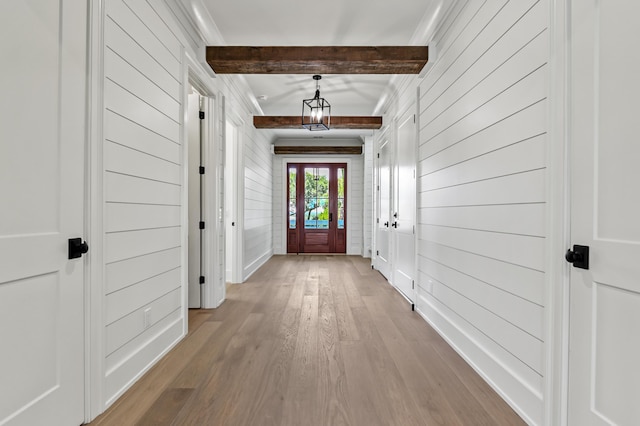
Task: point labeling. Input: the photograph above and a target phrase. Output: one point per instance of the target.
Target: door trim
(556, 316)
(213, 293)
(94, 220)
(332, 231)
(282, 190)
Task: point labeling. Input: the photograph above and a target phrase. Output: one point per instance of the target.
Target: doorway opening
(317, 206)
(195, 203)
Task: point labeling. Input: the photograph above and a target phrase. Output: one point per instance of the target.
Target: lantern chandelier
(316, 112)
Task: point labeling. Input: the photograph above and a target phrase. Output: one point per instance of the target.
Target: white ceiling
(326, 23)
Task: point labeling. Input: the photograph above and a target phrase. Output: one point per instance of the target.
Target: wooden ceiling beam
(318, 150)
(337, 122)
(317, 59)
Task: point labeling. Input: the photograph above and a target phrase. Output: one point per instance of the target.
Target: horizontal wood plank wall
(481, 193)
(278, 208)
(258, 199)
(143, 177)
(355, 205)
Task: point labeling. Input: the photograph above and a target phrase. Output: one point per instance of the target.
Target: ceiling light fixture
(316, 112)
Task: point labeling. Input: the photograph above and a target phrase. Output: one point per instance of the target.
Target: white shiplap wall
(481, 193)
(143, 74)
(149, 47)
(258, 210)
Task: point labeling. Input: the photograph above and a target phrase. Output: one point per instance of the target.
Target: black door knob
(573, 256)
(77, 248)
(579, 256)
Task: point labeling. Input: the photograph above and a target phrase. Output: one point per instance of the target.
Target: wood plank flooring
(311, 340)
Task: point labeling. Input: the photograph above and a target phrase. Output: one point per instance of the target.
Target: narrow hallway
(311, 340)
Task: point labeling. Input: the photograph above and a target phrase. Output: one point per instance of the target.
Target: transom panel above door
(316, 199)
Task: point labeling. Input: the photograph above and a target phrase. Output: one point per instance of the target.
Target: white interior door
(403, 218)
(383, 250)
(233, 212)
(195, 200)
(604, 378)
(42, 146)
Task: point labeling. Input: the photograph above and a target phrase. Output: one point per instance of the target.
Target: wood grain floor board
(267, 406)
(299, 402)
(143, 394)
(311, 340)
(347, 329)
(379, 361)
(332, 390)
(501, 413)
(424, 390)
(164, 409)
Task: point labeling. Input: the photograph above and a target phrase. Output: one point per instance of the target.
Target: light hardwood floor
(311, 340)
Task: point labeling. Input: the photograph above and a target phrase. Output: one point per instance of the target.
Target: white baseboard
(255, 265)
(524, 400)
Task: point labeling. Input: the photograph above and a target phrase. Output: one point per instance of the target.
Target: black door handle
(579, 256)
(395, 225)
(386, 224)
(77, 248)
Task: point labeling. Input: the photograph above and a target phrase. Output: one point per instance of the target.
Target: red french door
(316, 197)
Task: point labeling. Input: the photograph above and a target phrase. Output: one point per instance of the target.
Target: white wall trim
(558, 220)
(94, 273)
(474, 354)
(256, 264)
(150, 364)
(184, 198)
(212, 295)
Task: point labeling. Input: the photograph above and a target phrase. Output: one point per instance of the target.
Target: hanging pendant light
(316, 112)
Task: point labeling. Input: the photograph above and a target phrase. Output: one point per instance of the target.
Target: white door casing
(604, 379)
(384, 220)
(195, 201)
(42, 177)
(404, 201)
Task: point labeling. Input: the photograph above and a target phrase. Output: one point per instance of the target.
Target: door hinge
(413, 307)
(378, 188)
(413, 285)
(377, 252)
(377, 220)
(201, 115)
(201, 279)
(378, 155)
(414, 229)
(201, 170)
(414, 118)
(201, 225)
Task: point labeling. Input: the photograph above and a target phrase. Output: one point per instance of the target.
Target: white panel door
(383, 250)
(42, 146)
(604, 378)
(195, 200)
(404, 202)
